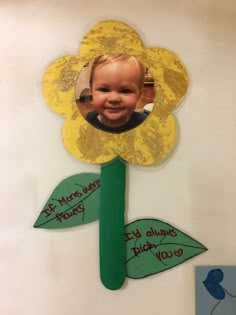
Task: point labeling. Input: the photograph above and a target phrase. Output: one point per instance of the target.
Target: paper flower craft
(149, 143)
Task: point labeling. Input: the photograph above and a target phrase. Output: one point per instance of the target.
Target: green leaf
(154, 246)
(73, 202)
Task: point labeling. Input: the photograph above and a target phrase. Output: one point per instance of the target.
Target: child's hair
(106, 59)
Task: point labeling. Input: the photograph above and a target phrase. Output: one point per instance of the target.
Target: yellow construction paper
(150, 142)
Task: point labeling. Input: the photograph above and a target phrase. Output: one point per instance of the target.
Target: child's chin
(114, 116)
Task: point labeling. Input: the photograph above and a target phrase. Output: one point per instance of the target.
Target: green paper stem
(112, 224)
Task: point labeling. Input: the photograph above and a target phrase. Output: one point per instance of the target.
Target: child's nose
(114, 97)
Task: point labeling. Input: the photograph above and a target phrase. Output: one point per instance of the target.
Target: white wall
(45, 272)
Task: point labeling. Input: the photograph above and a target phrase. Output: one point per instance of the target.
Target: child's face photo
(116, 89)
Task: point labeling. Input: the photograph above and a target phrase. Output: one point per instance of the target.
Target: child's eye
(126, 91)
(103, 89)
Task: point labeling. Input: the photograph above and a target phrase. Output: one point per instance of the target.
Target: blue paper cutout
(212, 283)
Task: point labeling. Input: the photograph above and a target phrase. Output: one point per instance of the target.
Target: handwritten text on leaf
(154, 246)
(74, 201)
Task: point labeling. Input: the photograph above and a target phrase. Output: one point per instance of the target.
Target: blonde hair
(106, 59)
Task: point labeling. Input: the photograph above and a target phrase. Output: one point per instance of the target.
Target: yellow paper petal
(110, 37)
(59, 84)
(170, 76)
(87, 143)
(150, 143)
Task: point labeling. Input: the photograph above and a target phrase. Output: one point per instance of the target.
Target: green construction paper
(112, 228)
(154, 246)
(75, 201)
(139, 249)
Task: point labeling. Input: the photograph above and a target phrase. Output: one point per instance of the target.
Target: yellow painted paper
(150, 142)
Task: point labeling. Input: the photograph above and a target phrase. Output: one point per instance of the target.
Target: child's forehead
(116, 65)
(120, 67)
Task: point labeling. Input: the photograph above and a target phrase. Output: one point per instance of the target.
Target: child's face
(116, 90)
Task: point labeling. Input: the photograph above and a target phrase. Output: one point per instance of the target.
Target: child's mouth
(114, 109)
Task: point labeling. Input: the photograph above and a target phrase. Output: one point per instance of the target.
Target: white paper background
(57, 272)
